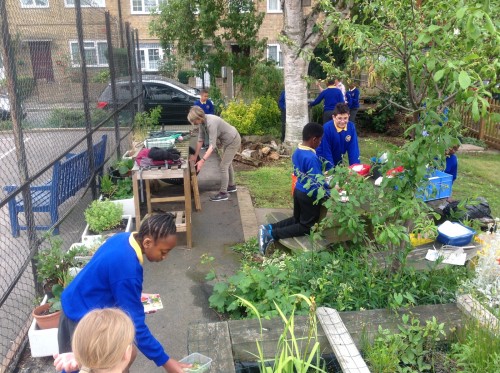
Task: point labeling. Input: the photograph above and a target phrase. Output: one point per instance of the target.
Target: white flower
(456, 31)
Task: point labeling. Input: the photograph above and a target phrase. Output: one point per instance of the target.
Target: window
(274, 6)
(34, 3)
(151, 55)
(145, 6)
(274, 54)
(86, 3)
(95, 53)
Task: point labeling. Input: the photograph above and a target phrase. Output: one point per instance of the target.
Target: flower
(456, 31)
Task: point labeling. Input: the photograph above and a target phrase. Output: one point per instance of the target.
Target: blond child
(103, 342)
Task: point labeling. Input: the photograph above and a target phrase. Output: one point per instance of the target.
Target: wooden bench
(68, 176)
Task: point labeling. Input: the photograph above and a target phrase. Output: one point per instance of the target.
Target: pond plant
(295, 354)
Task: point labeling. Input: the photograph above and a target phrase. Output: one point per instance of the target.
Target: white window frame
(143, 11)
(96, 42)
(34, 4)
(279, 63)
(269, 10)
(86, 3)
(146, 57)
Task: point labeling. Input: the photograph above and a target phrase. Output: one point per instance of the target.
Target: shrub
(74, 118)
(102, 76)
(103, 215)
(26, 85)
(184, 75)
(266, 80)
(5, 125)
(258, 118)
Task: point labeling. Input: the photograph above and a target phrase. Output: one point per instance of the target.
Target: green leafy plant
(144, 122)
(295, 354)
(52, 263)
(102, 76)
(409, 351)
(73, 118)
(257, 118)
(124, 165)
(477, 349)
(103, 215)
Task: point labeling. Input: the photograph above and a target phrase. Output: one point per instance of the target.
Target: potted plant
(85, 251)
(48, 313)
(121, 168)
(120, 191)
(105, 218)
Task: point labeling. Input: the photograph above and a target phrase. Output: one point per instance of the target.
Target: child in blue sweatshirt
(306, 211)
(113, 278)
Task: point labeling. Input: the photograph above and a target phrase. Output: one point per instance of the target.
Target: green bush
(184, 75)
(266, 80)
(5, 125)
(103, 215)
(261, 117)
(102, 76)
(74, 118)
(26, 85)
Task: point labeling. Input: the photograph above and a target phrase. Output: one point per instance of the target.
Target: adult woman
(217, 130)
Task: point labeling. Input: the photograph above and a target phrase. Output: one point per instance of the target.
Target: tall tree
(302, 32)
(204, 31)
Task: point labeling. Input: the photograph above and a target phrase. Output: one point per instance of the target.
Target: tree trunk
(295, 69)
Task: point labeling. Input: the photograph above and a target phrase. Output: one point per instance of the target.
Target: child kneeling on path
(306, 210)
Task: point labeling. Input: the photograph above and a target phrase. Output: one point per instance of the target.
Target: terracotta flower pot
(45, 320)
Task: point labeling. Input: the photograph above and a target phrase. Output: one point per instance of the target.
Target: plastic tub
(455, 234)
(202, 363)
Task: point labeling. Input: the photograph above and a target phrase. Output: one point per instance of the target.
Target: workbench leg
(187, 197)
(194, 185)
(137, 202)
(148, 195)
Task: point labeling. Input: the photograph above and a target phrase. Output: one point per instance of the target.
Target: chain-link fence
(69, 79)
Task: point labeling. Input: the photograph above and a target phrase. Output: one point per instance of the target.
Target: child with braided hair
(113, 278)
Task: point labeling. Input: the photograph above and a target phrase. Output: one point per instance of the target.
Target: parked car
(5, 108)
(174, 97)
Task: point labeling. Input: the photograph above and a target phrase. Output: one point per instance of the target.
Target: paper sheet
(455, 257)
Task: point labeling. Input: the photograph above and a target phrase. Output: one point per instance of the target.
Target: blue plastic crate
(437, 186)
(457, 240)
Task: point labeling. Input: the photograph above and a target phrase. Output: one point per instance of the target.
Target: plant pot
(46, 321)
(88, 237)
(127, 203)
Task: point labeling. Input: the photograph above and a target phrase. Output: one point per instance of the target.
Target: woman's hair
(157, 226)
(195, 113)
(101, 339)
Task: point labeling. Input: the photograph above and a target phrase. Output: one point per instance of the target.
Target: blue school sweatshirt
(335, 144)
(208, 107)
(306, 163)
(332, 97)
(113, 278)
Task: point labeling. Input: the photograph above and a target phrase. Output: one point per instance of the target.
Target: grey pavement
(180, 278)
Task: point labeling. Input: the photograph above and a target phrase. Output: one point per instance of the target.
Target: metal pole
(129, 57)
(16, 117)
(120, 23)
(111, 64)
(85, 92)
(140, 102)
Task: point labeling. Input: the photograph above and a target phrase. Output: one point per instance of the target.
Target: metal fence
(56, 61)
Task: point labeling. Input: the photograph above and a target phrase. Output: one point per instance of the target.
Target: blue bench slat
(68, 176)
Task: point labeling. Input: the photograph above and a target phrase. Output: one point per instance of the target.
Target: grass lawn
(478, 175)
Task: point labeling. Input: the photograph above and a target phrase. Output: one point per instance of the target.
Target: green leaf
(475, 110)
(461, 13)
(433, 28)
(489, 24)
(464, 80)
(438, 75)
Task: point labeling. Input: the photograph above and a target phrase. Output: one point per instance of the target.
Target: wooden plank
(245, 333)
(212, 340)
(340, 340)
(194, 186)
(476, 310)
(303, 243)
